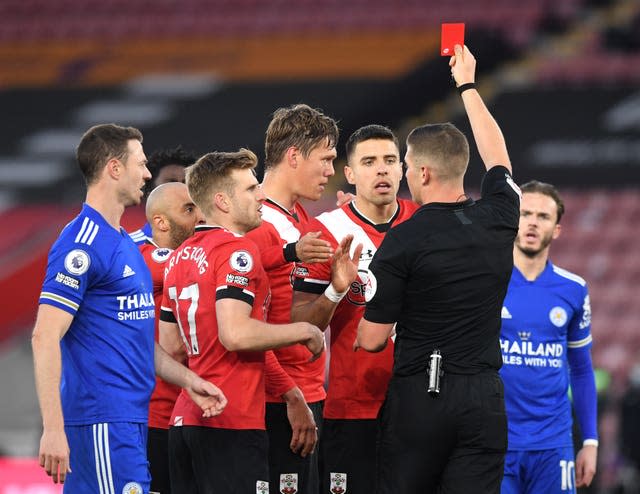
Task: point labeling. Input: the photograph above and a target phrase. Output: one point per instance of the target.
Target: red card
(452, 34)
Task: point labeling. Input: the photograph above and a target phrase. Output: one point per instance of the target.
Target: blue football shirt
(97, 274)
(541, 319)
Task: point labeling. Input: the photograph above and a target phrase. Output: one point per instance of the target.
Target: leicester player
(93, 346)
(546, 346)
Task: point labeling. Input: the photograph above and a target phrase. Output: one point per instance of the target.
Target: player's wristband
(464, 87)
(590, 442)
(333, 295)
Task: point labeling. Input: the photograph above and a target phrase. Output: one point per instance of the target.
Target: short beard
(178, 233)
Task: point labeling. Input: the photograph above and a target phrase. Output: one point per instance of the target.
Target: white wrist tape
(590, 442)
(333, 295)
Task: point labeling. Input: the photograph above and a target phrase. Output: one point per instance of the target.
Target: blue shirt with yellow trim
(541, 321)
(97, 274)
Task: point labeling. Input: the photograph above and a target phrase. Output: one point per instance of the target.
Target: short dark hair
(299, 126)
(443, 146)
(373, 131)
(174, 156)
(102, 143)
(211, 174)
(537, 187)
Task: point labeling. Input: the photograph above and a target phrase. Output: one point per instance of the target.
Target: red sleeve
(270, 244)
(277, 381)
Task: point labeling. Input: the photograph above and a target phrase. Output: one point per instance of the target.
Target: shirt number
(191, 292)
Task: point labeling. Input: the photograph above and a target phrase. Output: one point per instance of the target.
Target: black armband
(464, 87)
(290, 252)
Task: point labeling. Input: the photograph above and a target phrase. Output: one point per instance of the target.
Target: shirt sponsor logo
(236, 279)
(77, 262)
(288, 483)
(558, 316)
(241, 261)
(338, 483)
(370, 285)
(531, 354)
(134, 307)
(68, 281)
(161, 255)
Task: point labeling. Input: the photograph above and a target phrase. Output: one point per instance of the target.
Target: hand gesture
(54, 455)
(463, 65)
(586, 465)
(304, 431)
(311, 248)
(207, 396)
(344, 268)
(343, 198)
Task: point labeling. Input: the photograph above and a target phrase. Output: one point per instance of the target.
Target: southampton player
(324, 295)
(93, 347)
(172, 216)
(546, 346)
(167, 166)
(299, 149)
(215, 302)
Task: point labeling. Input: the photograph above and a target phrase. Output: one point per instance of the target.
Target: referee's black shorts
(286, 467)
(204, 459)
(348, 453)
(453, 443)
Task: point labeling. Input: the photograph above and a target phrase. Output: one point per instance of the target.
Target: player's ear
(557, 230)
(221, 201)
(160, 222)
(113, 168)
(292, 154)
(425, 174)
(349, 175)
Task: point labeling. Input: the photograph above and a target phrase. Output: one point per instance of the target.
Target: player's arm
(319, 309)
(486, 132)
(170, 340)
(51, 325)
(387, 280)
(585, 404)
(205, 394)
(373, 336)
(304, 435)
(238, 331)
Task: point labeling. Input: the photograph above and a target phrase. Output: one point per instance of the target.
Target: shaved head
(172, 214)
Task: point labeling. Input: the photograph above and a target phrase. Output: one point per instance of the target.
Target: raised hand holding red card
(452, 34)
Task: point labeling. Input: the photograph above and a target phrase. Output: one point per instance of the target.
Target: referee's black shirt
(442, 276)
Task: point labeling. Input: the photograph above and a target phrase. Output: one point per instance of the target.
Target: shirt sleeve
(314, 277)
(579, 330)
(71, 269)
(387, 279)
(272, 247)
(237, 271)
(499, 189)
(583, 387)
(277, 381)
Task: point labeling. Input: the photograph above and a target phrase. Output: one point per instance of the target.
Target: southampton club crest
(338, 483)
(77, 262)
(262, 487)
(288, 483)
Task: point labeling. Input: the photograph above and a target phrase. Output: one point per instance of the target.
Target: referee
(442, 276)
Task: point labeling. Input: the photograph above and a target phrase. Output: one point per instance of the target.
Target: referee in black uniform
(442, 276)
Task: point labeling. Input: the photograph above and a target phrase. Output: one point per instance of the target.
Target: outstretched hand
(311, 248)
(207, 396)
(463, 65)
(344, 268)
